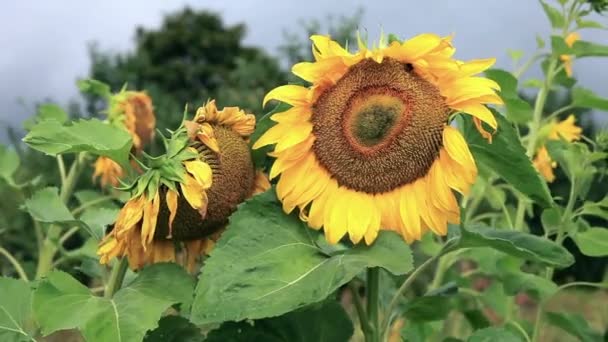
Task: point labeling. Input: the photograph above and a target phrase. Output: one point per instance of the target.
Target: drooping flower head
(567, 59)
(133, 112)
(368, 145)
(185, 196)
(566, 130)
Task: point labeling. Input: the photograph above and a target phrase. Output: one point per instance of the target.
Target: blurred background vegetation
(194, 56)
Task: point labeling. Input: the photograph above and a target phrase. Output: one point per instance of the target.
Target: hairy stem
(373, 304)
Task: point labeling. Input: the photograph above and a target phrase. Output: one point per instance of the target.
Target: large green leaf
(507, 158)
(61, 302)
(46, 206)
(428, 308)
(515, 282)
(515, 243)
(15, 310)
(175, 329)
(93, 136)
(518, 110)
(582, 97)
(97, 219)
(575, 325)
(494, 334)
(9, 163)
(593, 242)
(320, 323)
(267, 263)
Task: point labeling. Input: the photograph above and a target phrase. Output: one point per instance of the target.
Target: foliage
(269, 277)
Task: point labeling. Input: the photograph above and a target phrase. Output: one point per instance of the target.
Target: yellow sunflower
(133, 112)
(368, 145)
(567, 59)
(185, 197)
(565, 129)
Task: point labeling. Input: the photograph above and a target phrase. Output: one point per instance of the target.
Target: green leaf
(593, 242)
(9, 163)
(507, 158)
(518, 110)
(327, 322)
(588, 49)
(559, 46)
(586, 98)
(97, 219)
(518, 244)
(428, 308)
(421, 331)
(476, 319)
(267, 263)
(516, 282)
(259, 156)
(588, 24)
(94, 87)
(61, 302)
(93, 136)
(574, 324)
(175, 329)
(46, 206)
(51, 111)
(494, 334)
(15, 307)
(540, 43)
(555, 16)
(551, 220)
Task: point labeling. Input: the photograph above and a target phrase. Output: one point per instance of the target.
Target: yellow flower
(567, 59)
(368, 145)
(108, 171)
(565, 129)
(132, 111)
(164, 213)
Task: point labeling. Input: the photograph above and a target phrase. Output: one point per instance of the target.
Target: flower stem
(373, 303)
(116, 277)
(49, 245)
(15, 263)
(363, 320)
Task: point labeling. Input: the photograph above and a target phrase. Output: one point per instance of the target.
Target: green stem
(49, 247)
(116, 277)
(16, 265)
(406, 284)
(363, 320)
(442, 267)
(373, 303)
(91, 203)
(61, 167)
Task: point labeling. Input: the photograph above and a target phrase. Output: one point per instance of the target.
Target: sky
(45, 43)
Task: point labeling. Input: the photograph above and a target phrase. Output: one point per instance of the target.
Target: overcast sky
(44, 43)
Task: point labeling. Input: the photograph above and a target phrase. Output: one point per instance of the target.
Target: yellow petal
(291, 94)
(299, 133)
(419, 46)
(456, 146)
(316, 216)
(481, 112)
(171, 198)
(193, 192)
(148, 227)
(201, 171)
(409, 213)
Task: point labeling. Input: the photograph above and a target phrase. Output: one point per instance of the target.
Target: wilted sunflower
(567, 59)
(565, 129)
(133, 112)
(368, 145)
(185, 197)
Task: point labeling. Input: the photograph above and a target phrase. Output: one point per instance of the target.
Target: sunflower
(567, 59)
(566, 130)
(133, 112)
(368, 145)
(184, 198)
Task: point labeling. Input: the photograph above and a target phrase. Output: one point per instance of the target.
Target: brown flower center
(379, 127)
(233, 181)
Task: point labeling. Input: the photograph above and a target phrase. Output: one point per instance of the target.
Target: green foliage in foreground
(269, 276)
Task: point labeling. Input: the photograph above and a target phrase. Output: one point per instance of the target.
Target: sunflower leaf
(61, 302)
(267, 263)
(586, 98)
(175, 328)
(9, 163)
(507, 158)
(15, 303)
(515, 243)
(93, 136)
(574, 324)
(518, 110)
(593, 242)
(46, 206)
(494, 334)
(327, 322)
